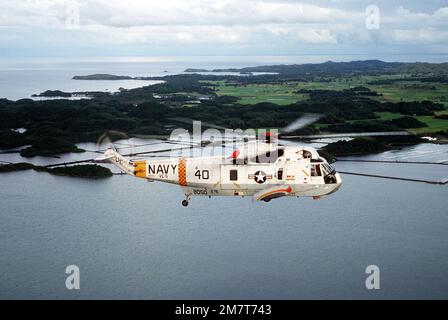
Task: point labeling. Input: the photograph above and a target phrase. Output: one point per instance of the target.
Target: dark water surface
(133, 239)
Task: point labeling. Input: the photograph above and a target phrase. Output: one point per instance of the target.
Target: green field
(286, 93)
(279, 93)
(255, 93)
(433, 125)
(283, 94)
(413, 91)
(388, 115)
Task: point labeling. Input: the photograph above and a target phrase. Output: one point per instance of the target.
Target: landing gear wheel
(184, 203)
(267, 200)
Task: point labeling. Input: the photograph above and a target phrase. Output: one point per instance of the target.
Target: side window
(315, 170)
(233, 175)
(319, 173)
(280, 174)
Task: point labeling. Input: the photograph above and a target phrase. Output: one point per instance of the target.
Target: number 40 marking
(204, 174)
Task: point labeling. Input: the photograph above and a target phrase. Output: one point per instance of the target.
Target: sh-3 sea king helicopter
(264, 169)
(277, 171)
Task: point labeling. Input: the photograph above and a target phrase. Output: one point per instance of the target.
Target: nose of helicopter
(338, 178)
(338, 181)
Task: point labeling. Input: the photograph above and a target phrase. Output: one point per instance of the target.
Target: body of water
(133, 239)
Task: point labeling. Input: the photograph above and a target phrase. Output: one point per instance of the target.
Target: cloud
(118, 13)
(250, 23)
(195, 12)
(405, 18)
(424, 35)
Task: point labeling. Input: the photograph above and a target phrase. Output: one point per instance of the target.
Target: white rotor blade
(302, 122)
(203, 123)
(350, 135)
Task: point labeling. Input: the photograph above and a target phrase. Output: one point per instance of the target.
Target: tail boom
(137, 168)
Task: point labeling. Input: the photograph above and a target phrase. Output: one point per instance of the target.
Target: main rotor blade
(350, 135)
(68, 163)
(443, 181)
(229, 134)
(442, 163)
(156, 151)
(203, 123)
(288, 143)
(301, 122)
(127, 146)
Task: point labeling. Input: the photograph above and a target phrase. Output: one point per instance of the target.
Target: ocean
(133, 239)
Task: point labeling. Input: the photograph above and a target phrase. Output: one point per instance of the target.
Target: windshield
(327, 169)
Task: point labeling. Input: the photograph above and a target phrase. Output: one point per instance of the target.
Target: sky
(89, 28)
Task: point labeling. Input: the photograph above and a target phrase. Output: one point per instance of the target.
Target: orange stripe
(182, 172)
(287, 190)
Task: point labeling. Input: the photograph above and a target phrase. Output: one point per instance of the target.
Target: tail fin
(112, 156)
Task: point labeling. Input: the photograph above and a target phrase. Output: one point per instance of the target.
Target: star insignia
(260, 177)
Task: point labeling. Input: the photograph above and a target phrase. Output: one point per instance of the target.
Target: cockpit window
(329, 174)
(307, 154)
(327, 169)
(315, 170)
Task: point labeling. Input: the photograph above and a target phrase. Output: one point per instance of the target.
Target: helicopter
(295, 171)
(264, 168)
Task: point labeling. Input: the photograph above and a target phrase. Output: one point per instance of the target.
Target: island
(53, 93)
(111, 77)
(89, 171)
(196, 70)
(102, 77)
